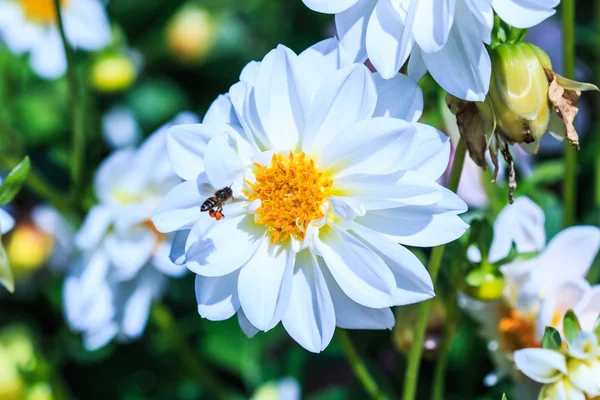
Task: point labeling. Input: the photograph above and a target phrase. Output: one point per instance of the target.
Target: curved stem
(77, 111)
(165, 322)
(358, 366)
(414, 358)
(570, 182)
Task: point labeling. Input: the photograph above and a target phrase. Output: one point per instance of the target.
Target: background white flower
(445, 37)
(119, 127)
(124, 261)
(29, 26)
(329, 171)
(50, 221)
(538, 290)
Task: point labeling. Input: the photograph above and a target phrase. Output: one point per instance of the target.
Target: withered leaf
(566, 104)
(472, 129)
(512, 179)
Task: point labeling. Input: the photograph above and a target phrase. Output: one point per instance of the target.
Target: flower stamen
(292, 191)
(42, 11)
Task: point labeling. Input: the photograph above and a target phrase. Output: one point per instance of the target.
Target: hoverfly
(217, 201)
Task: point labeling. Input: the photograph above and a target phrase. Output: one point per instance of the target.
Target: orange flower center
(292, 192)
(159, 237)
(42, 11)
(516, 332)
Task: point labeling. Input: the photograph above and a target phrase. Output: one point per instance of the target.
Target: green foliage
(551, 339)
(13, 182)
(571, 326)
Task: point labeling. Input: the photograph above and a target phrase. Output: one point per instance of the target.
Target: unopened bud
(519, 92)
(191, 34)
(27, 249)
(113, 73)
(484, 285)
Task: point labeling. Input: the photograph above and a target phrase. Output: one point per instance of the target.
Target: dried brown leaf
(512, 178)
(566, 104)
(472, 129)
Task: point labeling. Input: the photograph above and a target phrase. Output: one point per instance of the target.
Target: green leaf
(596, 329)
(551, 339)
(504, 396)
(571, 326)
(547, 173)
(6, 277)
(13, 182)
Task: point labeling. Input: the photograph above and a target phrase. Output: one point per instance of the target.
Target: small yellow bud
(484, 285)
(519, 92)
(28, 248)
(113, 73)
(191, 34)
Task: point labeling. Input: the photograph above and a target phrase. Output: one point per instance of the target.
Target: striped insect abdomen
(209, 204)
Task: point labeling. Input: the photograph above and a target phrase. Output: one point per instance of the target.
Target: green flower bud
(519, 92)
(484, 285)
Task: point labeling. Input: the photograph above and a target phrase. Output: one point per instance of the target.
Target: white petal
(565, 297)
(524, 13)
(246, 326)
(420, 225)
(584, 347)
(345, 97)
(521, 223)
(374, 146)
(99, 338)
(483, 12)
(583, 377)
(541, 365)
(462, 67)
(282, 99)
(319, 62)
(94, 227)
(412, 279)
(136, 309)
(217, 297)
(407, 106)
(163, 263)
(588, 309)
(6, 222)
(221, 111)
(180, 208)
(223, 164)
(435, 18)
(86, 24)
(431, 154)
(186, 145)
(389, 39)
(416, 65)
(351, 27)
(351, 315)
(310, 317)
(329, 6)
(109, 175)
(347, 208)
(569, 255)
(177, 254)
(129, 254)
(359, 271)
(375, 192)
(48, 56)
(120, 128)
(265, 283)
(210, 254)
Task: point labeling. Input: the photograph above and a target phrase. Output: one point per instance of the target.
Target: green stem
(358, 366)
(570, 183)
(597, 79)
(411, 377)
(77, 111)
(491, 190)
(165, 322)
(452, 317)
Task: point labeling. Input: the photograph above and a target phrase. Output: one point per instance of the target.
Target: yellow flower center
(516, 332)
(41, 10)
(292, 192)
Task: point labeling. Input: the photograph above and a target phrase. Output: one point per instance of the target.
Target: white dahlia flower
(329, 171)
(124, 262)
(30, 26)
(445, 37)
